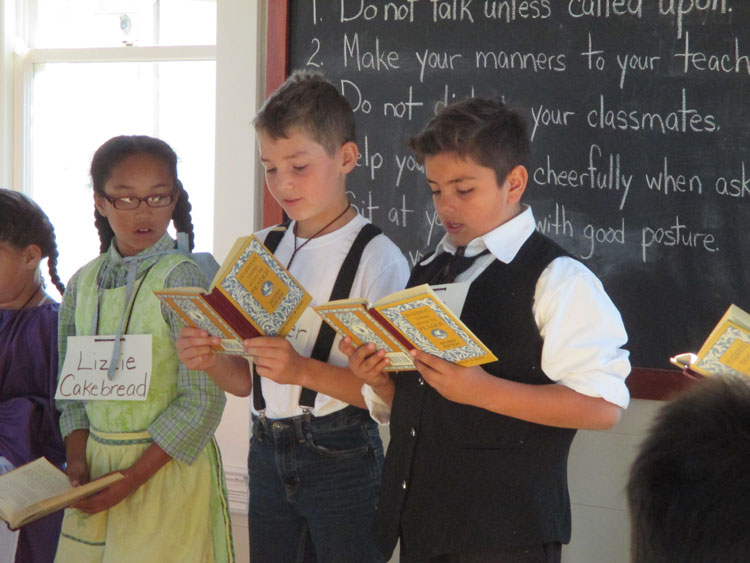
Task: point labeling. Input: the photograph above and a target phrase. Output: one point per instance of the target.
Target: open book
(38, 488)
(411, 318)
(251, 295)
(726, 351)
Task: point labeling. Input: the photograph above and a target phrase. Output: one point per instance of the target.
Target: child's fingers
(377, 361)
(192, 332)
(363, 352)
(346, 347)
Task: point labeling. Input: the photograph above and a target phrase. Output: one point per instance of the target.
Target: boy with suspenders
(315, 454)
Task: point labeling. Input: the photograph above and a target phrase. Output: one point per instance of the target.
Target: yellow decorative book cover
(726, 351)
(411, 318)
(251, 295)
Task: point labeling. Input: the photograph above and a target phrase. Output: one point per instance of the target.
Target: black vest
(458, 477)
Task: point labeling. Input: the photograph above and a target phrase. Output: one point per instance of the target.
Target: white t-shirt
(382, 270)
(582, 329)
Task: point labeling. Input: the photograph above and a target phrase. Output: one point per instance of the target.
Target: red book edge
(392, 330)
(227, 311)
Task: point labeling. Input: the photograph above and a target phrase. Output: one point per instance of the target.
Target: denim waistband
(298, 424)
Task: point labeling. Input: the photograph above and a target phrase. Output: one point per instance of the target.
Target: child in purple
(28, 359)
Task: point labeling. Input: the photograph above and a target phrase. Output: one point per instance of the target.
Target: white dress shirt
(582, 329)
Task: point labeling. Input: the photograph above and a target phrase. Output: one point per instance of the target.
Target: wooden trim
(277, 47)
(657, 384)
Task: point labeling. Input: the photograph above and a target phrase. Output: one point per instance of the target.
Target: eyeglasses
(131, 202)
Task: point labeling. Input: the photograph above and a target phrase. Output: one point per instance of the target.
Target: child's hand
(109, 497)
(455, 383)
(275, 358)
(194, 348)
(367, 363)
(78, 471)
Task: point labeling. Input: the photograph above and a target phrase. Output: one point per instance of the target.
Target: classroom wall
(239, 58)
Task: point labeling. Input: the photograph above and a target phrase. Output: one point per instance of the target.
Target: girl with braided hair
(172, 503)
(28, 360)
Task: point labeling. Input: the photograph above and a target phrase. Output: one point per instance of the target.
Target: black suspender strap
(341, 290)
(273, 238)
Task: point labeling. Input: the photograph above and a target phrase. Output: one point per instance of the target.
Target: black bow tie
(449, 266)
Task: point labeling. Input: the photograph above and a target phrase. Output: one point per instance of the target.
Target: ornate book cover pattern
(357, 323)
(259, 285)
(434, 330)
(728, 354)
(194, 312)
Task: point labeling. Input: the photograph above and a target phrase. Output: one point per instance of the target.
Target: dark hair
(117, 149)
(483, 129)
(22, 223)
(688, 490)
(310, 103)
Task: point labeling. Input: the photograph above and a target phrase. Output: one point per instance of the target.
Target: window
(94, 69)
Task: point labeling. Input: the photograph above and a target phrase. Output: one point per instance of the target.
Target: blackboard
(640, 119)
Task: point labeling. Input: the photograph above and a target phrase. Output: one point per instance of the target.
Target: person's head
(306, 137)
(688, 489)
(137, 193)
(475, 153)
(26, 237)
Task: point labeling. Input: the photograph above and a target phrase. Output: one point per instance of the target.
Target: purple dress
(28, 418)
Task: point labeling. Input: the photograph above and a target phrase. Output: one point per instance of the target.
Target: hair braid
(183, 221)
(52, 269)
(106, 234)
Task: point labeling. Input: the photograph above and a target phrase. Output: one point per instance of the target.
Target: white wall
(598, 469)
(237, 203)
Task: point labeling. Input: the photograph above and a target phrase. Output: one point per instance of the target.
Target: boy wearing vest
(315, 461)
(476, 467)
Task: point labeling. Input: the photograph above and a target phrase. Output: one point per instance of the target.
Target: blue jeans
(313, 488)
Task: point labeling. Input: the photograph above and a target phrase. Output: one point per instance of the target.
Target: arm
(153, 459)
(552, 404)
(276, 359)
(186, 425)
(72, 413)
(231, 373)
(75, 453)
(582, 355)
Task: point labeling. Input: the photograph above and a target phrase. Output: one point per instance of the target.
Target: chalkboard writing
(639, 112)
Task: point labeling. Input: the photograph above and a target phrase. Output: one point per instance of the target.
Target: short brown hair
(310, 103)
(483, 129)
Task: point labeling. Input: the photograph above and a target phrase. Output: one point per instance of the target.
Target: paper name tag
(84, 373)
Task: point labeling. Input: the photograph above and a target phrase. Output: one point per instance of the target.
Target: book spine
(232, 316)
(393, 331)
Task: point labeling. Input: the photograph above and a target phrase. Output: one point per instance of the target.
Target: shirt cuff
(380, 411)
(73, 417)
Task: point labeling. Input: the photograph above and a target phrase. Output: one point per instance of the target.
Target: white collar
(504, 241)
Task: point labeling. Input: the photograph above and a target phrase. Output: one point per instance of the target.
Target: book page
(31, 483)
(453, 295)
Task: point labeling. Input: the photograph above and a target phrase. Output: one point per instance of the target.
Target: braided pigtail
(106, 234)
(183, 221)
(52, 269)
